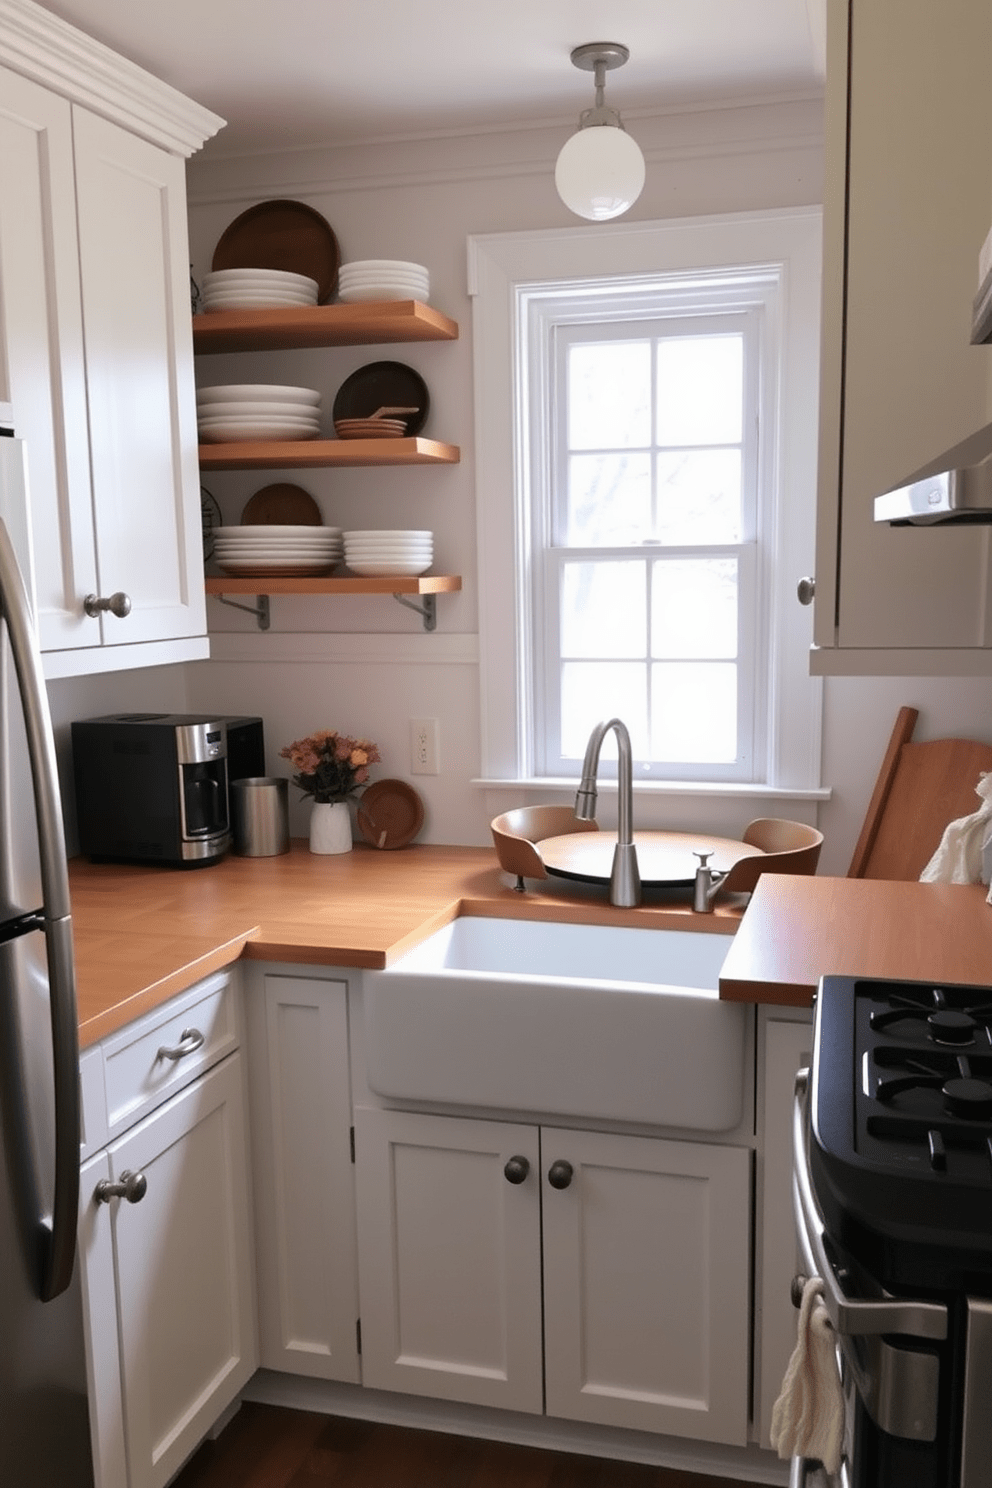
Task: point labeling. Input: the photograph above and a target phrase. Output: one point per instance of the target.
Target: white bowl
(388, 570)
(275, 530)
(280, 555)
(382, 263)
(218, 305)
(380, 277)
(250, 293)
(225, 433)
(376, 532)
(283, 413)
(262, 530)
(262, 409)
(237, 392)
(273, 544)
(277, 567)
(381, 292)
(286, 277)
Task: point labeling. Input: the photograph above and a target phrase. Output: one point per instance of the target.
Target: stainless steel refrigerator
(44, 1421)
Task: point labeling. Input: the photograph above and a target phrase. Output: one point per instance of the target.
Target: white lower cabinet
(168, 1278)
(303, 1175)
(784, 1043)
(639, 1250)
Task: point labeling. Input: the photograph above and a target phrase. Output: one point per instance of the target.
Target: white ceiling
(287, 73)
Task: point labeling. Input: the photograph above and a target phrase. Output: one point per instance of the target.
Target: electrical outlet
(424, 746)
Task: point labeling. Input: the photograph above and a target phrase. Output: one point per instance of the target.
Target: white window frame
(510, 272)
(707, 305)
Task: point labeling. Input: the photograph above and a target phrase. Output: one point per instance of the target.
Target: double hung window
(646, 524)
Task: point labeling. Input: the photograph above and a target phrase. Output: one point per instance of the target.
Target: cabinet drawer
(154, 1057)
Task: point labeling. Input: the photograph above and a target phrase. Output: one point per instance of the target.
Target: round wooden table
(664, 859)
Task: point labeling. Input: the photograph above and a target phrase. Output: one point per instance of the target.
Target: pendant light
(600, 170)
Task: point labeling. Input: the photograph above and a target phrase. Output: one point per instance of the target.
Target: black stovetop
(901, 1129)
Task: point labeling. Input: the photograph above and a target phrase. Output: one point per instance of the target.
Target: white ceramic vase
(330, 827)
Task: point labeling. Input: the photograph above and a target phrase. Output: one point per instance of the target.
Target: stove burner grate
(945, 1024)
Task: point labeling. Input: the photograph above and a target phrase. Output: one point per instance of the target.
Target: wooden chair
(920, 789)
(787, 847)
(516, 832)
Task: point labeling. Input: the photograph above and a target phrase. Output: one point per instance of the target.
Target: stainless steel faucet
(625, 878)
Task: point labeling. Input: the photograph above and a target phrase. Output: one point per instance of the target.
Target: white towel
(958, 858)
(808, 1416)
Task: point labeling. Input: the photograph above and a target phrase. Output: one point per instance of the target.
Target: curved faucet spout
(625, 879)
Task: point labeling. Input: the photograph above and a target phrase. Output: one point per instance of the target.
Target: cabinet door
(95, 1259)
(786, 1047)
(41, 349)
(304, 1179)
(647, 1256)
(134, 260)
(449, 1258)
(901, 382)
(185, 1284)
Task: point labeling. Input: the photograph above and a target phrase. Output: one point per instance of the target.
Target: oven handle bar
(849, 1318)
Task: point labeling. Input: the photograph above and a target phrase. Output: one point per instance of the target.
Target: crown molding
(48, 50)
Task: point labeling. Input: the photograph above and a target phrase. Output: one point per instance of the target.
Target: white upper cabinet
(95, 343)
(908, 205)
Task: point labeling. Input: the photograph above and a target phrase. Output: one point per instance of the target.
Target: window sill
(720, 789)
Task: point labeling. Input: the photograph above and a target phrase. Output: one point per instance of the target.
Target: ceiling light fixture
(600, 170)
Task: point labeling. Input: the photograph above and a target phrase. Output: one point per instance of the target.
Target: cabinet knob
(560, 1173)
(796, 1289)
(130, 1186)
(516, 1169)
(118, 604)
(805, 590)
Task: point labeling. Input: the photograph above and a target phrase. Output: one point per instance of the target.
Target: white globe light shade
(600, 172)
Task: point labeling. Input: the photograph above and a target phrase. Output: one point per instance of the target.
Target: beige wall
(365, 665)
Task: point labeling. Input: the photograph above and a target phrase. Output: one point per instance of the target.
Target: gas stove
(901, 1129)
(893, 1185)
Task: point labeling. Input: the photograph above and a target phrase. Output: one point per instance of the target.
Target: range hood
(956, 487)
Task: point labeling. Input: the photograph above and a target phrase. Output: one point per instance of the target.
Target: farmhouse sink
(543, 1018)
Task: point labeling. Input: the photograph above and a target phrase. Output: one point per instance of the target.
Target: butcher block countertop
(796, 930)
(144, 934)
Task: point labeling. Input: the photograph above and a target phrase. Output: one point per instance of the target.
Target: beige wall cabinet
(644, 1248)
(167, 1278)
(304, 1178)
(96, 349)
(908, 205)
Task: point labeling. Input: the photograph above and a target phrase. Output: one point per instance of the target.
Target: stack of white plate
(383, 279)
(241, 411)
(389, 553)
(256, 289)
(256, 551)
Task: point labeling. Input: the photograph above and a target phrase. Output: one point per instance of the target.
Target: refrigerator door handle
(57, 1242)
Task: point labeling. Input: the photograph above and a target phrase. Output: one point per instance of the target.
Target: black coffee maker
(155, 786)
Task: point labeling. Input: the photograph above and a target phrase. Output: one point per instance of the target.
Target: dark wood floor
(268, 1447)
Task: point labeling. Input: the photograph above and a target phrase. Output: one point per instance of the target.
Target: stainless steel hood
(956, 487)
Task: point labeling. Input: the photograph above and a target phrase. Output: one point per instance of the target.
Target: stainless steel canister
(260, 816)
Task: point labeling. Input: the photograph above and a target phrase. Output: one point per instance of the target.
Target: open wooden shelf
(425, 584)
(369, 324)
(304, 454)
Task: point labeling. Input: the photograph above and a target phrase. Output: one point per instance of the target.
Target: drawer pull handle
(190, 1040)
(130, 1186)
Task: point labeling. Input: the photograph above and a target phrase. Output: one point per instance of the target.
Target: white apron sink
(603, 1021)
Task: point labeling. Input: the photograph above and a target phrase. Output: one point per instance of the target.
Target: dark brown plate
(390, 814)
(282, 503)
(285, 235)
(384, 385)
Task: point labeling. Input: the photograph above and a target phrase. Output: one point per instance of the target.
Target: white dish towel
(808, 1416)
